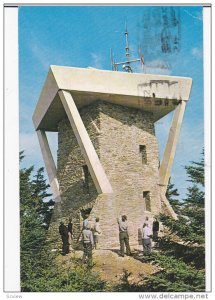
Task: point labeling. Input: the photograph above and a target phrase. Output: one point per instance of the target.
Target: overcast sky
(82, 37)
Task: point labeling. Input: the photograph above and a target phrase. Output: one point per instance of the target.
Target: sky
(81, 36)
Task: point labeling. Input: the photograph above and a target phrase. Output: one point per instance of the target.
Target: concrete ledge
(154, 93)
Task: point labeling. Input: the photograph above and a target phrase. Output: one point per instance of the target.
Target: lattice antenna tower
(126, 65)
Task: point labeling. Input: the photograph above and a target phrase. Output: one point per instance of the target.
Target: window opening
(85, 176)
(147, 200)
(142, 149)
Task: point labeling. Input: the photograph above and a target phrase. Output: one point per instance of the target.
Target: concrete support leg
(50, 165)
(169, 153)
(96, 170)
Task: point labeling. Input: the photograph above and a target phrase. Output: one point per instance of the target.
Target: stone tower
(108, 162)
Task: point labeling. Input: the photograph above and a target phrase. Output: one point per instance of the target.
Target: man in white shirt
(146, 239)
(96, 232)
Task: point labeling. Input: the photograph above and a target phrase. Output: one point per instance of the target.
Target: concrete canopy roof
(157, 94)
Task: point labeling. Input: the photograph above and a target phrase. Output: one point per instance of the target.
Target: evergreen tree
(33, 193)
(32, 233)
(25, 188)
(39, 194)
(196, 172)
(190, 227)
(171, 193)
(39, 269)
(181, 256)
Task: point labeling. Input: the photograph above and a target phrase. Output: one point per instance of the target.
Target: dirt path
(110, 266)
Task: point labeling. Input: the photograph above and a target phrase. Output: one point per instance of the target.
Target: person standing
(70, 233)
(146, 239)
(96, 233)
(123, 236)
(64, 236)
(85, 223)
(147, 221)
(88, 244)
(155, 228)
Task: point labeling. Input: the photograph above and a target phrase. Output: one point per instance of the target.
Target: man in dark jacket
(70, 233)
(64, 236)
(155, 228)
(70, 225)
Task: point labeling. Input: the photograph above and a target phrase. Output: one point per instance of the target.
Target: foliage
(188, 231)
(171, 193)
(55, 278)
(39, 193)
(195, 172)
(180, 258)
(39, 269)
(33, 192)
(175, 276)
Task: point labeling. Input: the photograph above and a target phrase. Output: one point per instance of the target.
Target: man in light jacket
(88, 244)
(146, 239)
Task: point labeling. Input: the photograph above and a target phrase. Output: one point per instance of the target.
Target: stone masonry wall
(117, 134)
(77, 195)
(123, 132)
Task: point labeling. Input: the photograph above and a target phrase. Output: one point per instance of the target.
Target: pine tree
(171, 193)
(190, 226)
(25, 188)
(32, 233)
(196, 172)
(181, 258)
(39, 270)
(33, 193)
(39, 194)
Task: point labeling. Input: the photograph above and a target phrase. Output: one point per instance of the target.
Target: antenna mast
(126, 65)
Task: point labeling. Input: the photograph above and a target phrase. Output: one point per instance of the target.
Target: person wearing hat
(123, 236)
(64, 236)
